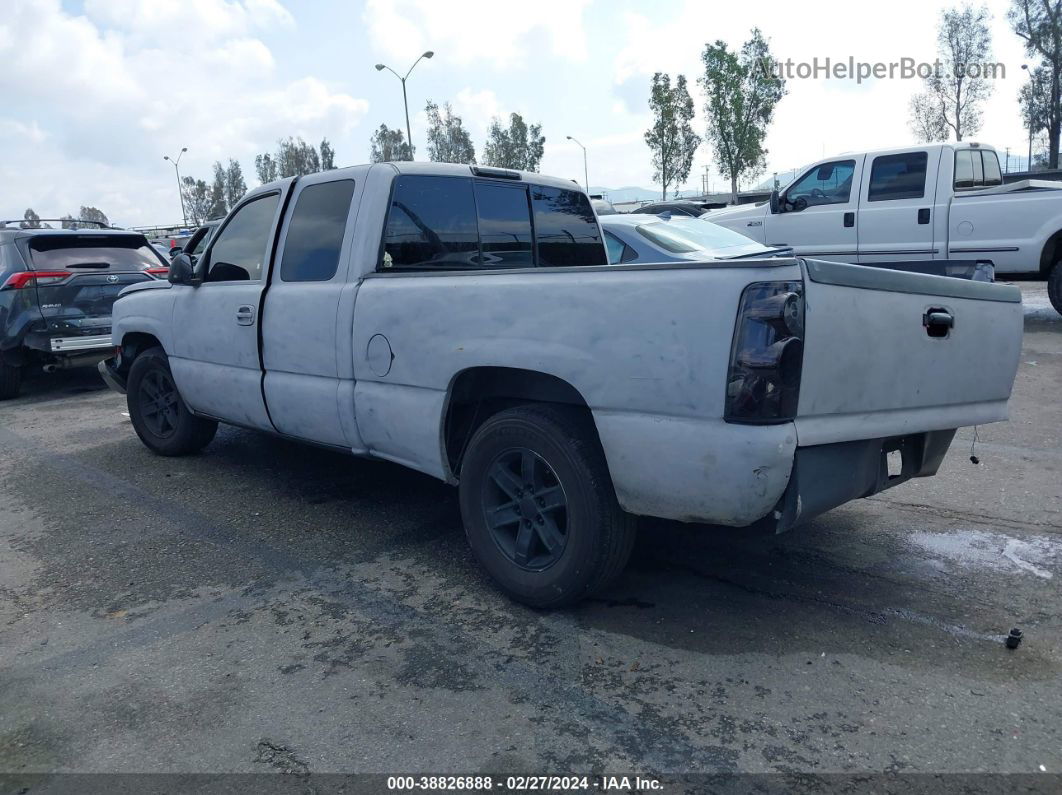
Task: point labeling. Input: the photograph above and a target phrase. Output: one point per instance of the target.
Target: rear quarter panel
(1009, 229)
(646, 346)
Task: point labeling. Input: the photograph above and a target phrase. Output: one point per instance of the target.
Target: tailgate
(887, 353)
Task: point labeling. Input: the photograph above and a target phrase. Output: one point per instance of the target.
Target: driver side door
(817, 212)
(215, 359)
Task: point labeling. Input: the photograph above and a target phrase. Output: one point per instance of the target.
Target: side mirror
(182, 271)
(175, 251)
(774, 202)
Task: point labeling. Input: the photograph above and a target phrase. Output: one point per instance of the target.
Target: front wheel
(160, 417)
(1054, 287)
(539, 508)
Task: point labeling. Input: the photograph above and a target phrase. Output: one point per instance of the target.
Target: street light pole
(184, 214)
(1028, 163)
(586, 178)
(405, 102)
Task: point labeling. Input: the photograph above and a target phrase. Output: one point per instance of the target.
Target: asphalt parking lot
(268, 606)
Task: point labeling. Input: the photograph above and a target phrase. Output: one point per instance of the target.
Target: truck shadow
(41, 387)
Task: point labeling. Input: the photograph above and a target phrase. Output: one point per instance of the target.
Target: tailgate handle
(923, 215)
(245, 315)
(938, 322)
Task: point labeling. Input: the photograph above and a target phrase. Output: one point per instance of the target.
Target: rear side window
(239, 250)
(93, 252)
(504, 225)
(900, 176)
(431, 224)
(976, 168)
(315, 233)
(566, 228)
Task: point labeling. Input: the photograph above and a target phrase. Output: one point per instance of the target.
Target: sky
(93, 93)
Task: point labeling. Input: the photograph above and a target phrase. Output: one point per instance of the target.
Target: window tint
(504, 225)
(566, 228)
(240, 248)
(431, 224)
(829, 183)
(900, 176)
(993, 176)
(964, 169)
(976, 169)
(315, 233)
(102, 252)
(615, 248)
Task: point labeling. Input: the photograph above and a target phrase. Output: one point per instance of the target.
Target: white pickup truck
(462, 321)
(931, 202)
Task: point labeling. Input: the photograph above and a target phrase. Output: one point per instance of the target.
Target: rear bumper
(80, 344)
(828, 475)
(110, 376)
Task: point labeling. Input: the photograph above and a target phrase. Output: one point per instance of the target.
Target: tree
(960, 83)
(328, 156)
(741, 95)
(93, 214)
(266, 167)
(671, 138)
(1034, 101)
(1039, 24)
(448, 140)
(218, 204)
(235, 187)
(196, 199)
(32, 220)
(68, 222)
(927, 120)
(517, 146)
(388, 145)
(296, 158)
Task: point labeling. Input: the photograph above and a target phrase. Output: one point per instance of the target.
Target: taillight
(23, 279)
(763, 383)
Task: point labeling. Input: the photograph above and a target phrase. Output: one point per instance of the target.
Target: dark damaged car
(57, 287)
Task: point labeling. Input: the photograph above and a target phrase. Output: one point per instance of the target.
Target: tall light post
(405, 102)
(586, 178)
(1028, 120)
(184, 215)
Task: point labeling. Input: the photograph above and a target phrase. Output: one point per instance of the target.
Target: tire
(1054, 286)
(561, 540)
(172, 429)
(10, 381)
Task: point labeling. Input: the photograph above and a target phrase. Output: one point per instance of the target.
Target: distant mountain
(628, 194)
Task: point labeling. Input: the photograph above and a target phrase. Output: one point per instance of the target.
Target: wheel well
(135, 343)
(480, 392)
(1052, 252)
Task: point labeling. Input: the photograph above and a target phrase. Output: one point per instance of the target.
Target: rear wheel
(10, 381)
(160, 417)
(1054, 286)
(539, 508)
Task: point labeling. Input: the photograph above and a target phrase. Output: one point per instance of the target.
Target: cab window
(828, 183)
(976, 168)
(901, 176)
(240, 249)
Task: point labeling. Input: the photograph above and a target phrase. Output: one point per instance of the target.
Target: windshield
(104, 252)
(694, 235)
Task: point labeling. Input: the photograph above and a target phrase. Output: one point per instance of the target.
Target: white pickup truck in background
(462, 321)
(930, 202)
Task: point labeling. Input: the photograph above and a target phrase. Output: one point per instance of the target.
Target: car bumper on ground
(110, 376)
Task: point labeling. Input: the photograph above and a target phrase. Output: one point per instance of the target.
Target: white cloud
(94, 101)
(464, 31)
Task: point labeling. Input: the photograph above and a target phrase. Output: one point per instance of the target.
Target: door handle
(923, 215)
(245, 315)
(849, 219)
